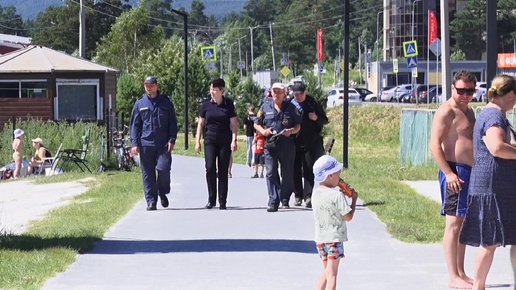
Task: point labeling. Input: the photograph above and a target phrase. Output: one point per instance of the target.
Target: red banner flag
(432, 26)
(320, 50)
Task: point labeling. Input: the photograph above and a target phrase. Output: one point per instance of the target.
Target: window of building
(34, 89)
(9, 89)
(23, 89)
(78, 100)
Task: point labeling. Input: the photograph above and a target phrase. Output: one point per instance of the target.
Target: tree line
(147, 39)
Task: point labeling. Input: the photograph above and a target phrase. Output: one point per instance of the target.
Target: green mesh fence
(415, 128)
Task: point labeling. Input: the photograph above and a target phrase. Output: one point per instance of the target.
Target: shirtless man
(451, 144)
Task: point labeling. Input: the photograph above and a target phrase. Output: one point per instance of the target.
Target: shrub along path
(244, 247)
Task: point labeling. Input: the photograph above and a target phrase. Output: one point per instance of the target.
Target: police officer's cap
(278, 86)
(150, 80)
(218, 83)
(299, 88)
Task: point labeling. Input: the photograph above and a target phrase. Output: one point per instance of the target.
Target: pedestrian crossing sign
(410, 48)
(412, 62)
(209, 53)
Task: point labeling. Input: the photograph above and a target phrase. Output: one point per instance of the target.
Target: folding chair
(48, 162)
(77, 156)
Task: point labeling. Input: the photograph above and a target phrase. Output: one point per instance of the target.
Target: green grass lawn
(50, 245)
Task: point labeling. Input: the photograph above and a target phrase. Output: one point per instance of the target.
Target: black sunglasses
(462, 91)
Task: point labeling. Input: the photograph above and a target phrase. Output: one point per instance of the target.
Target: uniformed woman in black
(275, 117)
(218, 124)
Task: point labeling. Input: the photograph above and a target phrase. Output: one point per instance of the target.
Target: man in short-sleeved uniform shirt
(270, 121)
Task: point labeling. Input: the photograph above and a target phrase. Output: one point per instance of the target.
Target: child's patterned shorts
(331, 251)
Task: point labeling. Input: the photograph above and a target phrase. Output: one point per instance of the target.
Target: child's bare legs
(513, 261)
(454, 253)
(321, 284)
(328, 279)
(483, 262)
(17, 166)
(262, 167)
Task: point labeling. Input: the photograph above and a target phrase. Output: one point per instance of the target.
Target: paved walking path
(23, 201)
(189, 247)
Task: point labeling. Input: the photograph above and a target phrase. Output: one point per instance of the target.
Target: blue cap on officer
(150, 80)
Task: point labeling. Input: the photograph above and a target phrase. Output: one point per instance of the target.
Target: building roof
(15, 39)
(43, 59)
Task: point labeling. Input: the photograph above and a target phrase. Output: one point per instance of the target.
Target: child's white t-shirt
(329, 206)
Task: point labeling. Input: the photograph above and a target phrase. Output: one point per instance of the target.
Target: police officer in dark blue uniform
(153, 135)
(278, 120)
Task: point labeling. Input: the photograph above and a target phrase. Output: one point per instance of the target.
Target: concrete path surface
(189, 247)
(23, 201)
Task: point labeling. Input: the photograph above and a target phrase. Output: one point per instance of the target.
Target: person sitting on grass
(39, 157)
(331, 212)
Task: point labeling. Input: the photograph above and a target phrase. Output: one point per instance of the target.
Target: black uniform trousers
(217, 152)
(303, 167)
(280, 190)
(154, 159)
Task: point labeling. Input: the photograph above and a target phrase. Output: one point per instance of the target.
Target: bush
(53, 134)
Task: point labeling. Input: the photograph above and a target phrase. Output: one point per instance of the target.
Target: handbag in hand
(510, 136)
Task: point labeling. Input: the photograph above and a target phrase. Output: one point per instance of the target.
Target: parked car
(372, 97)
(428, 96)
(336, 97)
(480, 92)
(388, 94)
(363, 92)
(402, 92)
(431, 94)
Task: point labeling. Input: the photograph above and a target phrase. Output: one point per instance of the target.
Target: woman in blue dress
(490, 220)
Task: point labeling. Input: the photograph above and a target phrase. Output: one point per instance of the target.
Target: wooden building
(40, 82)
(10, 43)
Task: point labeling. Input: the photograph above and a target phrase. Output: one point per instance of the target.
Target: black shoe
(285, 206)
(308, 203)
(151, 207)
(164, 200)
(222, 207)
(298, 202)
(209, 205)
(255, 175)
(272, 208)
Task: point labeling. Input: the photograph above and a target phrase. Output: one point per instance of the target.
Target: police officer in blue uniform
(153, 135)
(278, 120)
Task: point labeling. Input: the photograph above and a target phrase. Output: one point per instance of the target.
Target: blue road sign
(410, 48)
(283, 61)
(209, 53)
(412, 62)
(241, 65)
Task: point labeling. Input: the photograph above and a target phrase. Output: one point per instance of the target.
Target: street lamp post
(377, 56)
(185, 71)
(252, 52)
(412, 38)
